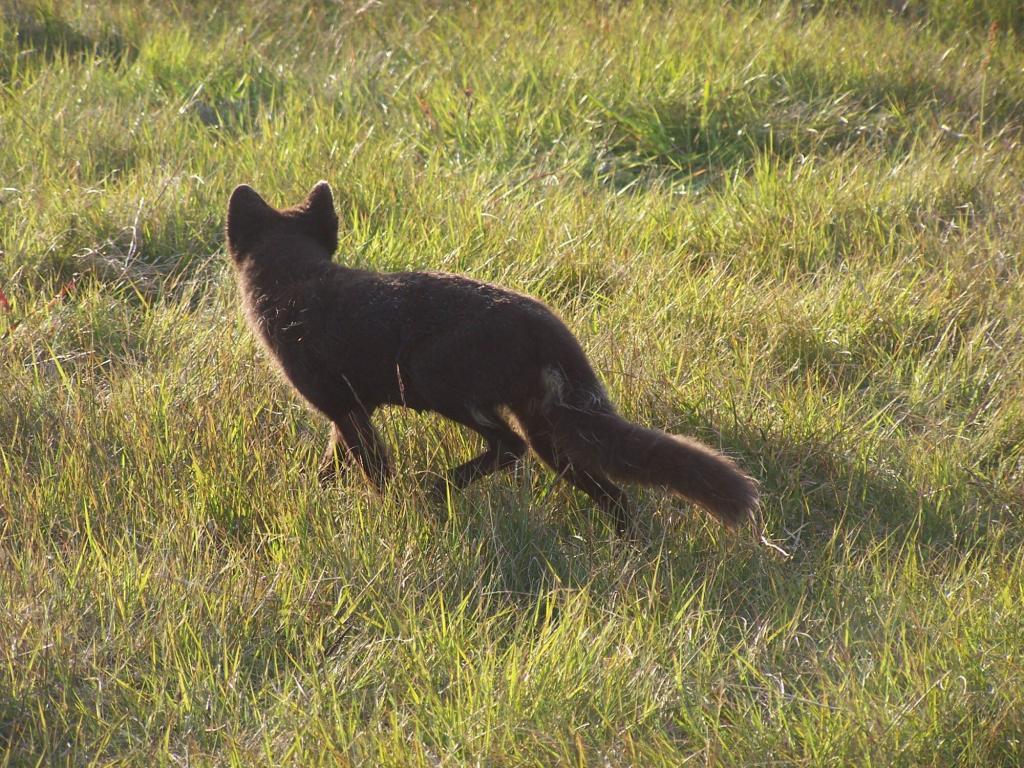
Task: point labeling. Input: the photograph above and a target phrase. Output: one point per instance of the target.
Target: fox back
(351, 340)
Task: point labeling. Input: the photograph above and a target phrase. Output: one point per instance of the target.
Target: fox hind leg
(504, 449)
(609, 497)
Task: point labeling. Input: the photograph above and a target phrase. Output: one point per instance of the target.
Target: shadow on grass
(42, 32)
(815, 489)
(948, 18)
(801, 110)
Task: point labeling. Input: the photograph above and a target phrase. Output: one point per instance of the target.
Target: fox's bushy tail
(592, 437)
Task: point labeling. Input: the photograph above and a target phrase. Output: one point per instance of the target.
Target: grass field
(793, 230)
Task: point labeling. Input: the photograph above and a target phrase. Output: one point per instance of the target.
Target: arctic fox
(350, 341)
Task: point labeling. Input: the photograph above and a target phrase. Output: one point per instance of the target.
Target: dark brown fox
(350, 341)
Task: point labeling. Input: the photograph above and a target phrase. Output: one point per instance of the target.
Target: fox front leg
(362, 442)
(336, 459)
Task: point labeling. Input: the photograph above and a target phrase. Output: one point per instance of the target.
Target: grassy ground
(791, 229)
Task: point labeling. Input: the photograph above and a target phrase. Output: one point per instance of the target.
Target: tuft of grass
(792, 230)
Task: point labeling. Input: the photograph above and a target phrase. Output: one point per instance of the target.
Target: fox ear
(318, 211)
(248, 214)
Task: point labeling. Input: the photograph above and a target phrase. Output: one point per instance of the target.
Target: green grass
(793, 230)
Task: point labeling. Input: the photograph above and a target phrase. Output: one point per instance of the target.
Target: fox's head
(256, 229)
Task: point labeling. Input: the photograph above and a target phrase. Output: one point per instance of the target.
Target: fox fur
(351, 340)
